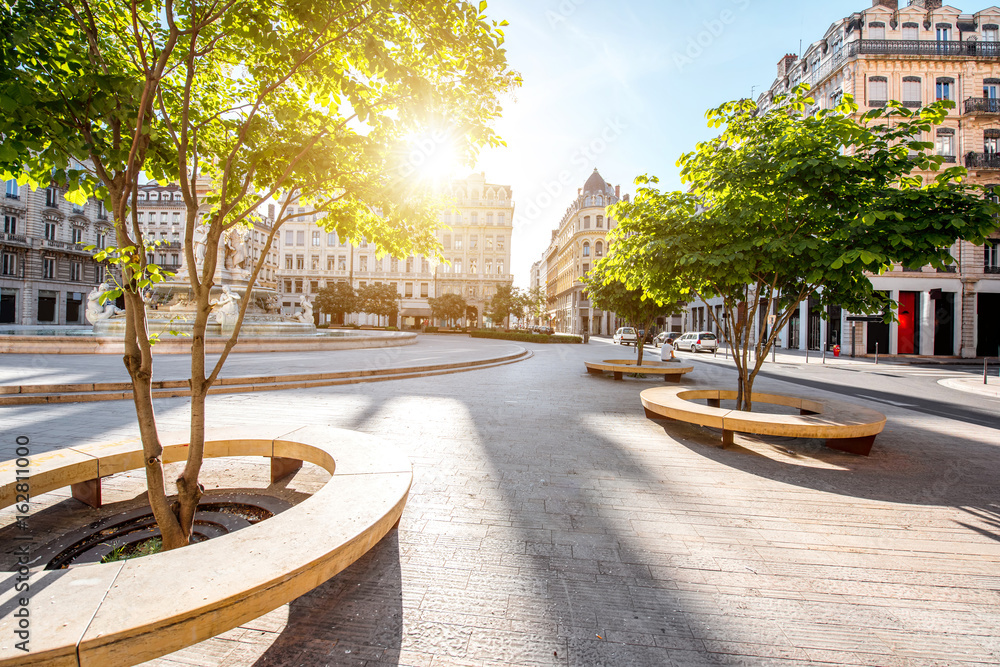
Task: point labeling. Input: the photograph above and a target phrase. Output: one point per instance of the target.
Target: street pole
(985, 371)
(876, 353)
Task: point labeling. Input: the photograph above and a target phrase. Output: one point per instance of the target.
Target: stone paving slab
(550, 523)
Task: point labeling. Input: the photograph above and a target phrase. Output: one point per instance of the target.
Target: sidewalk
(975, 385)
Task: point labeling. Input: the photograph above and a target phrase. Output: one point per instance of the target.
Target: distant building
(475, 238)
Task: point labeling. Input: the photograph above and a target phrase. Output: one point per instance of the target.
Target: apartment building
(46, 274)
(475, 237)
(916, 54)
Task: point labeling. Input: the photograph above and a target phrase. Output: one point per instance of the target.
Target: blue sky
(624, 87)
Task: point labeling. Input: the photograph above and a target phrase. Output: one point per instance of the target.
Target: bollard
(807, 354)
(986, 376)
(876, 353)
(824, 354)
(774, 354)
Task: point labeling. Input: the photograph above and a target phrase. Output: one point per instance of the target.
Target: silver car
(696, 341)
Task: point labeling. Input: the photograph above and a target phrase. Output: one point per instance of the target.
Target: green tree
(502, 303)
(786, 205)
(471, 315)
(240, 102)
(448, 307)
(379, 300)
(612, 294)
(536, 303)
(337, 299)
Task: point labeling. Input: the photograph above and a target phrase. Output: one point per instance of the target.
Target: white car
(626, 336)
(696, 341)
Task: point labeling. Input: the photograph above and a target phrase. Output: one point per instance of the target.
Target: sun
(432, 156)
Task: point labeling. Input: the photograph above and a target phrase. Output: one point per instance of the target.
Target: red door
(907, 322)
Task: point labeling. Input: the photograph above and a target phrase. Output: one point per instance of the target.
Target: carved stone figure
(200, 240)
(95, 311)
(226, 307)
(236, 252)
(306, 316)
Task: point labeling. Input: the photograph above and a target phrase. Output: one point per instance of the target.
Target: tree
(784, 206)
(448, 307)
(471, 315)
(502, 303)
(612, 294)
(536, 301)
(379, 300)
(337, 299)
(308, 101)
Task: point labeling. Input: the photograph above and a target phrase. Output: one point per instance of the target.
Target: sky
(624, 87)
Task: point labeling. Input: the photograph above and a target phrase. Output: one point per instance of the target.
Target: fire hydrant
(836, 350)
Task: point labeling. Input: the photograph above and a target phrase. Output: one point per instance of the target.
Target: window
(458, 242)
(300, 262)
(10, 224)
(288, 261)
(945, 88)
(50, 198)
(341, 263)
(289, 237)
(499, 244)
(945, 144)
(876, 30)
(141, 217)
(586, 222)
(331, 238)
(13, 192)
(992, 256)
(49, 268)
(489, 266)
(394, 265)
(315, 238)
(500, 217)
(163, 218)
(102, 212)
(9, 264)
(163, 259)
(489, 217)
(175, 259)
(911, 31)
(50, 231)
(600, 222)
(288, 286)
(363, 266)
(425, 266)
(101, 239)
(489, 244)
(911, 91)
(409, 265)
(314, 263)
(424, 291)
(474, 219)
(177, 218)
(500, 266)
(77, 235)
(598, 249)
(991, 145)
(98, 274)
(586, 269)
(313, 286)
(75, 271)
(586, 249)
(408, 290)
(298, 287)
(378, 264)
(473, 266)
(330, 263)
(300, 238)
(473, 241)
(991, 32)
(878, 91)
(944, 32)
(458, 265)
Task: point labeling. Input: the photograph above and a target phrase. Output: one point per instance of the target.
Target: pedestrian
(667, 350)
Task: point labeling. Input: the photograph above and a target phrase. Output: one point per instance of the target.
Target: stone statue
(226, 307)
(200, 240)
(236, 252)
(306, 316)
(95, 311)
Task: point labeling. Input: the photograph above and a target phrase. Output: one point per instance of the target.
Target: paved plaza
(551, 523)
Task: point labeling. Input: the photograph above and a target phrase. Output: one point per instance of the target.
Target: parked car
(626, 336)
(696, 341)
(662, 336)
(540, 329)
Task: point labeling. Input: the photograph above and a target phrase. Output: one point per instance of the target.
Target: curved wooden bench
(127, 612)
(845, 427)
(671, 371)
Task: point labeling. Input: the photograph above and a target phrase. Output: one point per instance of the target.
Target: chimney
(618, 192)
(785, 64)
(888, 4)
(927, 4)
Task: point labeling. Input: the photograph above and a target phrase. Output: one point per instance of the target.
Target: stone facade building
(915, 54)
(46, 274)
(475, 239)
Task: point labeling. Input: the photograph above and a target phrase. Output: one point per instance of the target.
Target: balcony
(914, 47)
(982, 105)
(13, 238)
(983, 160)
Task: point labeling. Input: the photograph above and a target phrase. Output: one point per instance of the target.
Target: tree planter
(127, 612)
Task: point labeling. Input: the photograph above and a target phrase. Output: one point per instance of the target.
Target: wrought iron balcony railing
(982, 105)
(914, 47)
(983, 160)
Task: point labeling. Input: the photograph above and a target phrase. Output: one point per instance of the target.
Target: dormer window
(911, 31)
(991, 32)
(943, 32)
(876, 30)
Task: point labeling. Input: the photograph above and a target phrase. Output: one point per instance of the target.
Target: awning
(415, 312)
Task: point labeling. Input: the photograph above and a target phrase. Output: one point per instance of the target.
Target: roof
(595, 183)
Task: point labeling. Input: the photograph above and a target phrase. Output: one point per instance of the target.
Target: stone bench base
(843, 426)
(671, 371)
